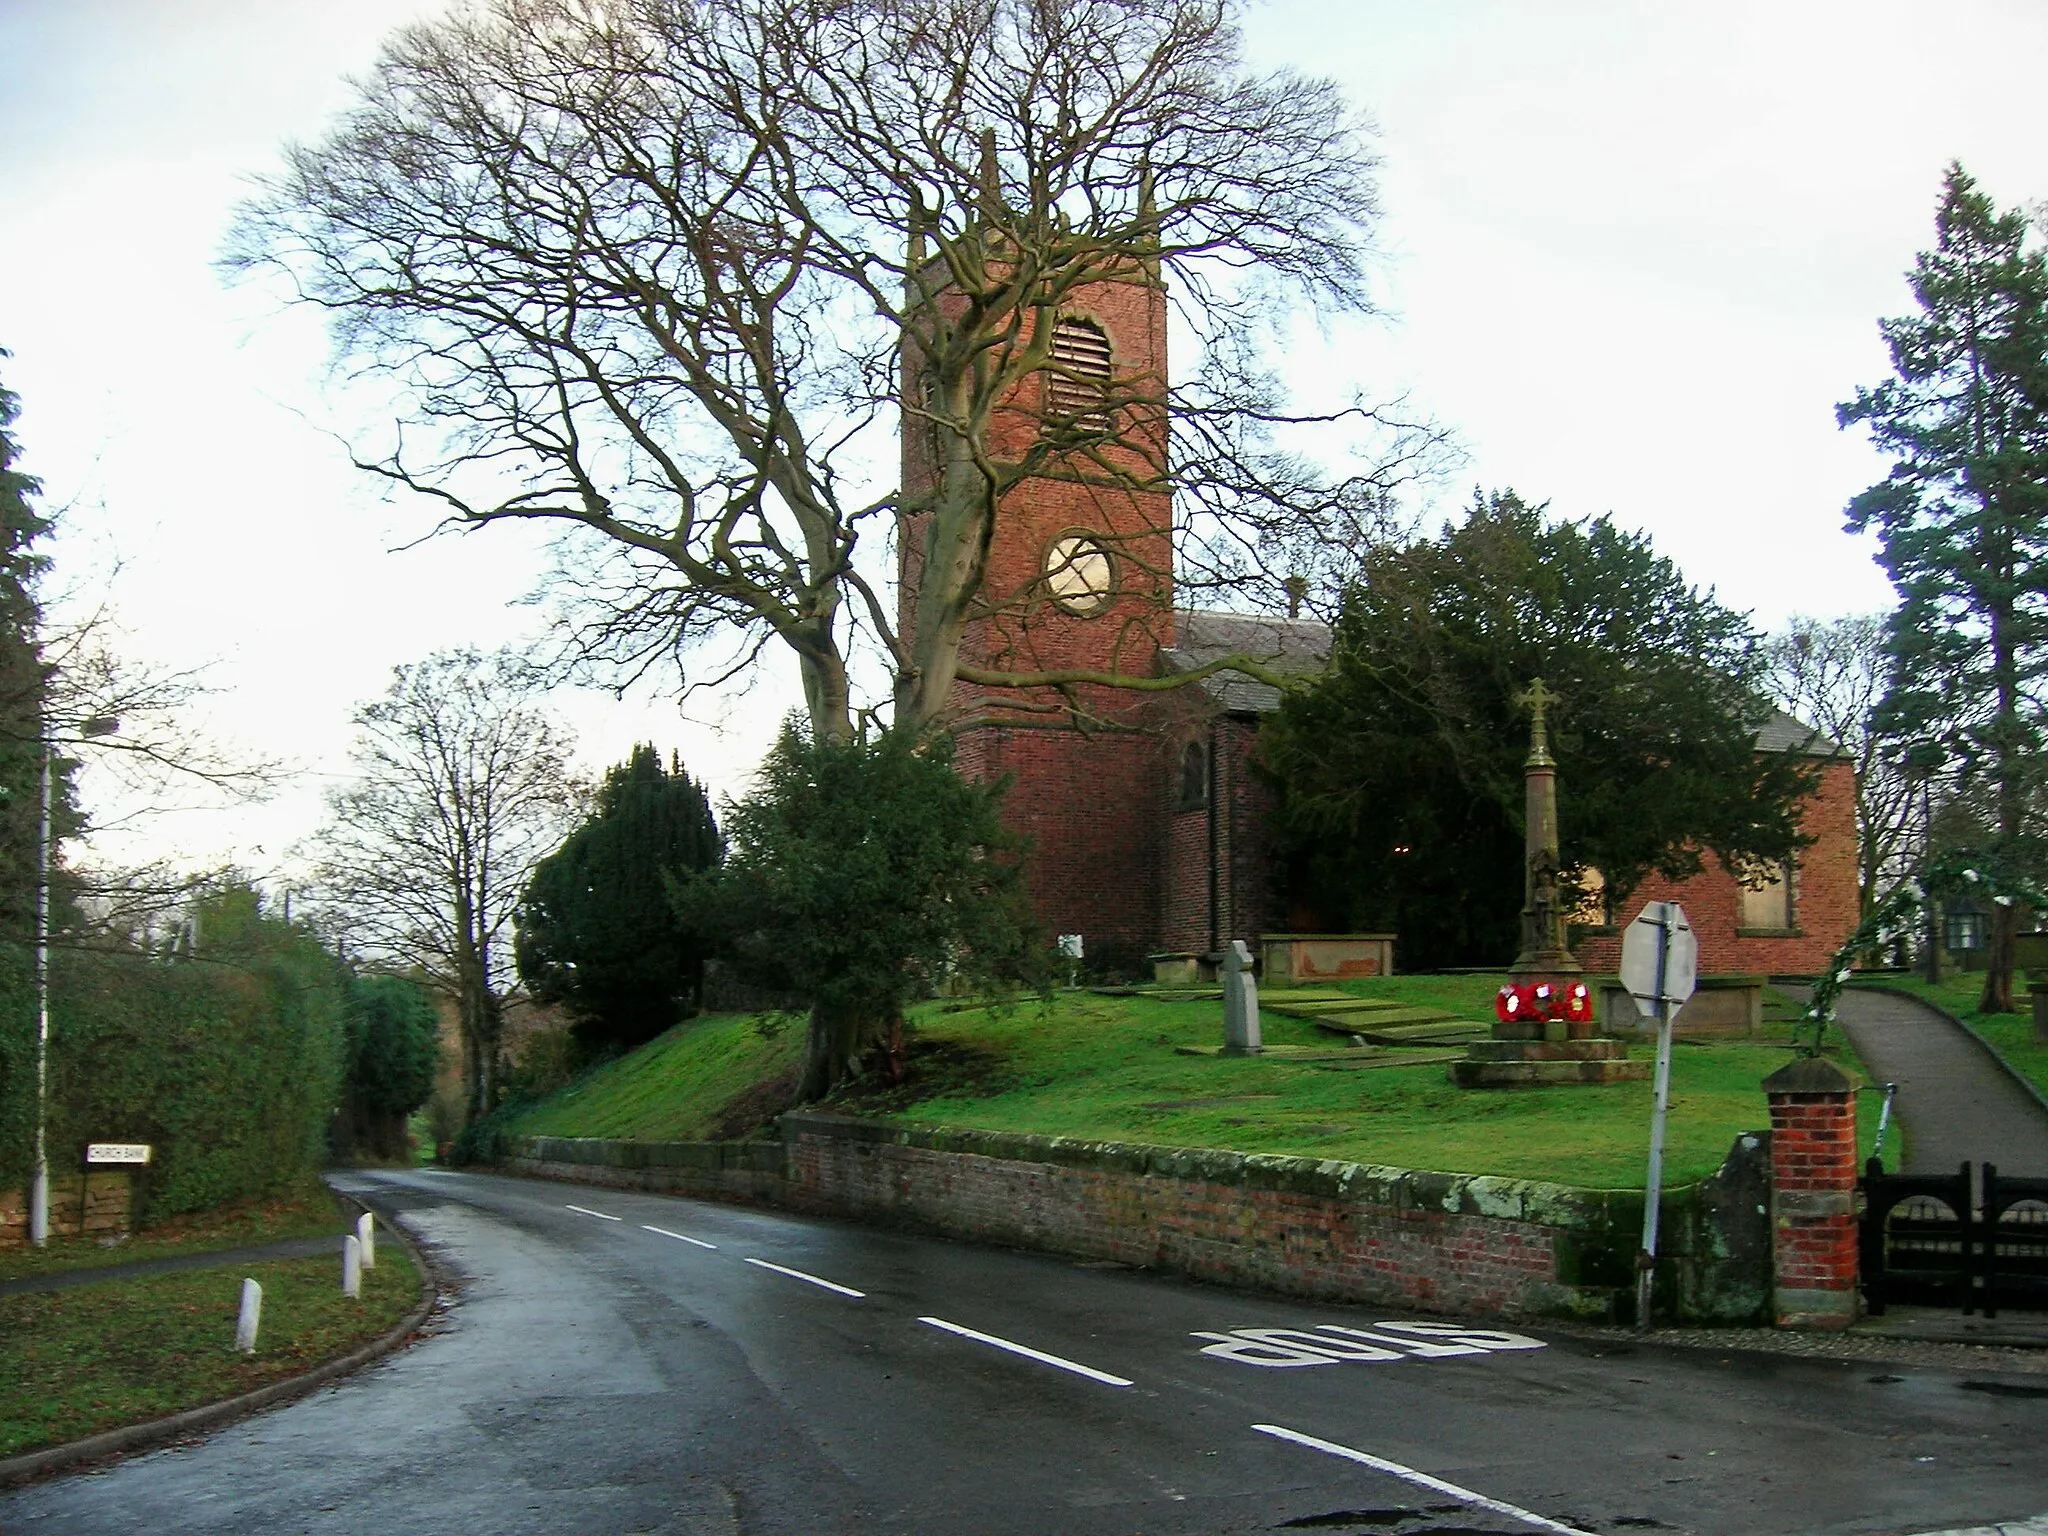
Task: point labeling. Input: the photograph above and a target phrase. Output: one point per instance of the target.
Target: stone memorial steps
(1367, 1058)
(1355, 1019)
(1315, 1004)
(1342, 1058)
(1438, 1031)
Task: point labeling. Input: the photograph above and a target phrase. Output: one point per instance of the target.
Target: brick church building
(1150, 831)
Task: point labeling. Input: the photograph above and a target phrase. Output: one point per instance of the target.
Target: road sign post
(1659, 966)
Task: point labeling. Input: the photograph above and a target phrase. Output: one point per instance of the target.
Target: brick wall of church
(1825, 903)
(1238, 815)
(1091, 805)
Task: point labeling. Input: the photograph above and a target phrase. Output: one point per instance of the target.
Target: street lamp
(39, 1188)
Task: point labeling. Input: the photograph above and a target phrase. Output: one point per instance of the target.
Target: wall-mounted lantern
(1963, 927)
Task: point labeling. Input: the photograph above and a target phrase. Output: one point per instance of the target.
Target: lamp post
(39, 1187)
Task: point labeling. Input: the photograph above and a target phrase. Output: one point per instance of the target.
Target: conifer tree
(597, 932)
(1963, 519)
(24, 681)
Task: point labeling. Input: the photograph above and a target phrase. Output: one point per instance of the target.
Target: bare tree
(669, 274)
(463, 784)
(1831, 675)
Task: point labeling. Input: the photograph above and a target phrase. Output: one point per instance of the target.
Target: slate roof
(1284, 645)
(1303, 645)
(1787, 733)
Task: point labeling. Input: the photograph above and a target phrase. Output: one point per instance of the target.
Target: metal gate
(1943, 1240)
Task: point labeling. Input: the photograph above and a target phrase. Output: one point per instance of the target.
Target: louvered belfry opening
(1077, 384)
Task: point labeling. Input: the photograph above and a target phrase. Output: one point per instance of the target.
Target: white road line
(679, 1237)
(1029, 1353)
(600, 1215)
(1420, 1479)
(797, 1274)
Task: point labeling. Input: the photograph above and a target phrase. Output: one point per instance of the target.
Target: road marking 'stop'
(1029, 1353)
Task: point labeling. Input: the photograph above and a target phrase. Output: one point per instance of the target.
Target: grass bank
(1105, 1068)
(307, 1209)
(2009, 1034)
(95, 1357)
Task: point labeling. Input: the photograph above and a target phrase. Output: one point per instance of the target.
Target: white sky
(1633, 253)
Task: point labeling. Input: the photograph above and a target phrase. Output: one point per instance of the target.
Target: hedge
(229, 1068)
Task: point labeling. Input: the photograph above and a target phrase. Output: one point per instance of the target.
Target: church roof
(1283, 645)
(1788, 733)
(1303, 645)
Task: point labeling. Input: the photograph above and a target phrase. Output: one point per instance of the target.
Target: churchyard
(1130, 1066)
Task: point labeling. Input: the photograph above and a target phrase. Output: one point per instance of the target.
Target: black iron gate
(1946, 1240)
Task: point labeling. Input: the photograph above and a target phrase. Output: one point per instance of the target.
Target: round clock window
(1080, 574)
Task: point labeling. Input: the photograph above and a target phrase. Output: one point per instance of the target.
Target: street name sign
(117, 1152)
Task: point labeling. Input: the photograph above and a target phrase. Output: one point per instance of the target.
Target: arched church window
(1194, 777)
(1077, 379)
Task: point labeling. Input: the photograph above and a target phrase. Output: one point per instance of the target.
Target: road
(620, 1363)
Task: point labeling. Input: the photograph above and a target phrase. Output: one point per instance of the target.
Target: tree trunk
(840, 1043)
(1997, 996)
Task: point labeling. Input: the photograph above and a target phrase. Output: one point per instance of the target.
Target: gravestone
(1240, 1002)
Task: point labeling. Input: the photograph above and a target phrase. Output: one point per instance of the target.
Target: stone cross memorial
(1240, 1002)
(1547, 1043)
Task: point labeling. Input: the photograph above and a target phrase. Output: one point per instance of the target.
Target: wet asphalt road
(596, 1376)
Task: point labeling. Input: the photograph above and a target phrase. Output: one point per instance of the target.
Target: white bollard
(351, 1267)
(366, 1234)
(252, 1314)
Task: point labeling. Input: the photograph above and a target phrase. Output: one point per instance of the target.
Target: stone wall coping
(1488, 1195)
(1708, 982)
(1324, 938)
(601, 1152)
(1809, 1075)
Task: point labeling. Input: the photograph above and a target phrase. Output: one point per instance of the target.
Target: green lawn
(75, 1362)
(2009, 1034)
(1105, 1068)
(308, 1209)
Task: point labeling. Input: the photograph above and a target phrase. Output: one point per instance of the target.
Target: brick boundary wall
(750, 1171)
(1432, 1242)
(108, 1194)
(1814, 1256)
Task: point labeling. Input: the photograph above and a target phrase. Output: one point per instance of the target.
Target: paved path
(218, 1258)
(627, 1363)
(1956, 1103)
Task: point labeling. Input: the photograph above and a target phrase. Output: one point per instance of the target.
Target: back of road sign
(1660, 926)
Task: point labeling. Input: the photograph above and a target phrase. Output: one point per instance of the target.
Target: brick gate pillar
(1813, 1194)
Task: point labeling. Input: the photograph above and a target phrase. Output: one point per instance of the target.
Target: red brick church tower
(1079, 578)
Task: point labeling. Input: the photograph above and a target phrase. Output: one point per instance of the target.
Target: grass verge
(1105, 1068)
(692, 1084)
(307, 1209)
(2009, 1034)
(75, 1362)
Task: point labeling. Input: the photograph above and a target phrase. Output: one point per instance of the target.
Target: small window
(1194, 777)
(1077, 377)
(1768, 905)
(1594, 909)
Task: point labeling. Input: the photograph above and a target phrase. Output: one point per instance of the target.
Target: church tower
(1079, 579)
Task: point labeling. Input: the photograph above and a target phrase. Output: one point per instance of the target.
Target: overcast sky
(1632, 253)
